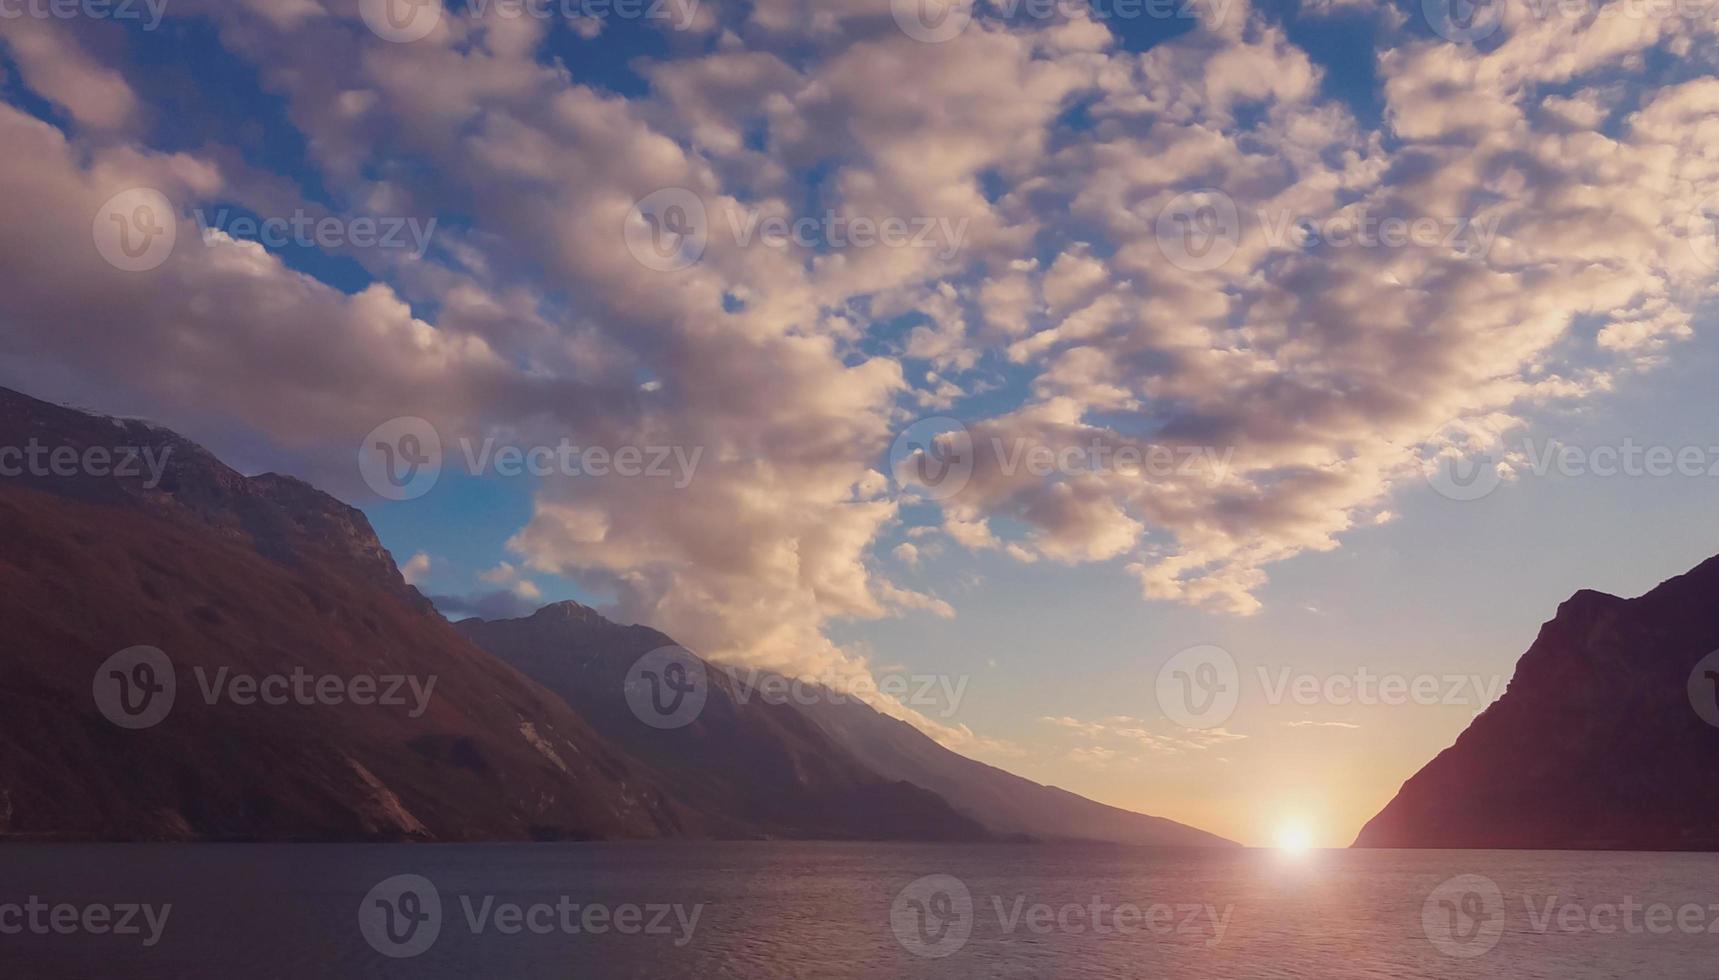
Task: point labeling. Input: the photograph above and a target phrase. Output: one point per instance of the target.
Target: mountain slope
(1004, 802)
(259, 576)
(761, 768)
(1596, 744)
(772, 762)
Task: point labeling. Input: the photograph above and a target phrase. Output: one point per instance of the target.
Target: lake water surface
(808, 910)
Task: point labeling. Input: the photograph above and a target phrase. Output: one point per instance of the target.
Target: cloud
(515, 597)
(500, 604)
(1135, 737)
(56, 65)
(415, 568)
(1092, 755)
(512, 580)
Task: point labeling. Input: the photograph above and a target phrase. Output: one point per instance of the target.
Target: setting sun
(1294, 839)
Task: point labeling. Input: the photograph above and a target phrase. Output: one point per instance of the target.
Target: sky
(1146, 388)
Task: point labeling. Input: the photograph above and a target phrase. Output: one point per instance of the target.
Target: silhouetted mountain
(1004, 802)
(758, 767)
(1597, 743)
(805, 769)
(231, 576)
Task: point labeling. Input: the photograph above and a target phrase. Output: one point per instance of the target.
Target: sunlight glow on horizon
(1294, 839)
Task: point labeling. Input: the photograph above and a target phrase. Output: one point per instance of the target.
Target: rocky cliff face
(236, 580)
(148, 467)
(1607, 737)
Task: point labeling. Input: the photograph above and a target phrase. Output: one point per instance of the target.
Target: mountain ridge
(1007, 806)
(741, 760)
(1010, 804)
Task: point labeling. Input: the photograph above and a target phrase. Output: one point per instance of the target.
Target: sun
(1294, 839)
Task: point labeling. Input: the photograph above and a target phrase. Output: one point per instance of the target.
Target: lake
(804, 910)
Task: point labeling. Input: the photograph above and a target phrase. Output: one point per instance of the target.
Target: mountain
(1600, 742)
(755, 767)
(121, 534)
(1004, 802)
(798, 767)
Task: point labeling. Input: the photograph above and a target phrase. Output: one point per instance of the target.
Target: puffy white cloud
(513, 580)
(55, 64)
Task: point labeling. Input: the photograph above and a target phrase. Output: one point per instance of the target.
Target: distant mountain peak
(569, 611)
